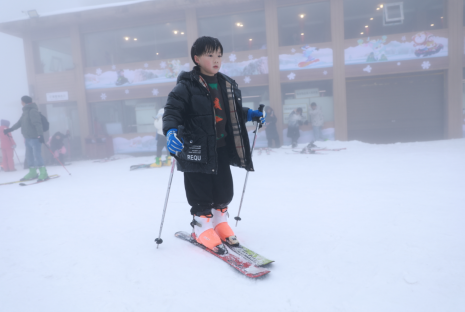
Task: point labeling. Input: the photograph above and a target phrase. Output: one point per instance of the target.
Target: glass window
(238, 32)
(303, 95)
(129, 116)
(364, 18)
(309, 23)
(54, 55)
(136, 44)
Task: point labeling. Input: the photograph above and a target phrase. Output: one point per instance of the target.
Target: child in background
(161, 142)
(7, 145)
(58, 147)
(204, 123)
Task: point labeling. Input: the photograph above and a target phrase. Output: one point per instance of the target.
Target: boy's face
(210, 63)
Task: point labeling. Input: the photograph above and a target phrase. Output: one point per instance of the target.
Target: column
(454, 73)
(272, 43)
(81, 98)
(339, 80)
(192, 31)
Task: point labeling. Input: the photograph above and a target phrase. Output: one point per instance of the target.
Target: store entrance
(64, 118)
(401, 108)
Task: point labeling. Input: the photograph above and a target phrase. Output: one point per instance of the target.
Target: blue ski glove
(173, 144)
(256, 115)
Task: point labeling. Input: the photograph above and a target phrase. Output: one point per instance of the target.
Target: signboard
(307, 93)
(57, 96)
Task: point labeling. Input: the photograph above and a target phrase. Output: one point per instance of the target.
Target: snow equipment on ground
(37, 182)
(14, 182)
(242, 265)
(259, 124)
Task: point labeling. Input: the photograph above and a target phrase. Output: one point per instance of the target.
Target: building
(380, 71)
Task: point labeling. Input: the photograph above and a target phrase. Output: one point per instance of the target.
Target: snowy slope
(372, 228)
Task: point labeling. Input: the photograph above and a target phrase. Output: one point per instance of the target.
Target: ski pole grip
(260, 107)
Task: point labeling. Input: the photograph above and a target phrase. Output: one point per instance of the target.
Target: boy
(204, 123)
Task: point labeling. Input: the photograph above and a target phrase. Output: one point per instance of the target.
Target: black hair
(299, 110)
(204, 45)
(313, 104)
(26, 99)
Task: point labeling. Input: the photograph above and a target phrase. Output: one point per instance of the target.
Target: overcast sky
(13, 83)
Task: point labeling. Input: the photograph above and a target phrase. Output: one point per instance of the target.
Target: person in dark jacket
(204, 123)
(57, 146)
(293, 126)
(31, 128)
(271, 130)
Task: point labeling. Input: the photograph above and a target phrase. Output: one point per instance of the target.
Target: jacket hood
(30, 106)
(5, 123)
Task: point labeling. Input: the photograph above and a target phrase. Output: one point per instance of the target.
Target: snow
(371, 228)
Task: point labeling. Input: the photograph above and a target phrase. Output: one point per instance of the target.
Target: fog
(13, 80)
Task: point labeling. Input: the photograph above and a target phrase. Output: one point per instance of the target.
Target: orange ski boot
(222, 228)
(206, 235)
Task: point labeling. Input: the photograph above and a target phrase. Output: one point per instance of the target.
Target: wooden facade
(75, 24)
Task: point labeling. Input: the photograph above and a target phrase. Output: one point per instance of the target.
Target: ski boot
(205, 234)
(157, 163)
(222, 228)
(43, 175)
(167, 162)
(31, 175)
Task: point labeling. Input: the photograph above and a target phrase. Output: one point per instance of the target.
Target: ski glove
(256, 115)
(41, 139)
(6, 131)
(174, 145)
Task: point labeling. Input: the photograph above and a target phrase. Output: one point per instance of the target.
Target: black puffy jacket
(189, 109)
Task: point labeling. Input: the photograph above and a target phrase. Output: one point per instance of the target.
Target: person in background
(57, 146)
(7, 145)
(271, 129)
(293, 125)
(32, 130)
(317, 119)
(161, 142)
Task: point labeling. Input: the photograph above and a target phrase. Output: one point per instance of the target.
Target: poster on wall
(306, 57)
(138, 144)
(382, 49)
(167, 71)
(249, 67)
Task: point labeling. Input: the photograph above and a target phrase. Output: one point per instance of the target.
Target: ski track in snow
(371, 228)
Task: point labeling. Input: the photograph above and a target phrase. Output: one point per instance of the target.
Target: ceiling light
(126, 38)
(361, 33)
(250, 39)
(175, 32)
(371, 19)
(381, 6)
(377, 9)
(157, 53)
(432, 25)
(366, 26)
(32, 13)
(302, 34)
(302, 15)
(182, 33)
(442, 16)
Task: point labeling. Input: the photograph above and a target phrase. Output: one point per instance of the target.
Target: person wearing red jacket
(7, 145)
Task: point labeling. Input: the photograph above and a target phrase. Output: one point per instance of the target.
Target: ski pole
(56, 158)
(159, 240)
(9, 137)
(260, 108)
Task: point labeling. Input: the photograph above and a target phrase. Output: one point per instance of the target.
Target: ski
(307, 153)
(242, 265)
(329, 149)
(15, 182)
(147, 166)
(250, 255)
(37, 182)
